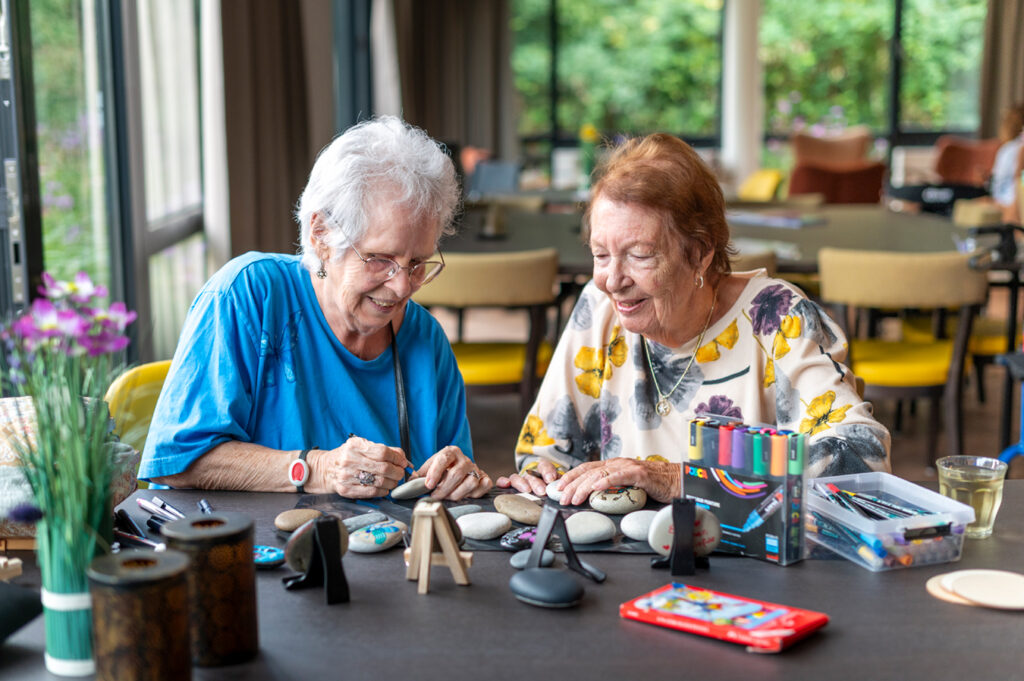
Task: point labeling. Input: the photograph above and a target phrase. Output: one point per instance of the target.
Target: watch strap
(299, 471)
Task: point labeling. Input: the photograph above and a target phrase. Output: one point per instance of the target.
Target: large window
(653, 65)
(626, 68)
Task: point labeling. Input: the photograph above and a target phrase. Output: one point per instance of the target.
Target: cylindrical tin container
(221, 585)
(140, 616)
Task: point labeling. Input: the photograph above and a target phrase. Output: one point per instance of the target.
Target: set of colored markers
(881, 530)
(751, 477)
(753, 450)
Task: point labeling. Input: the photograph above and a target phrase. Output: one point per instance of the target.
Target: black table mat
(402, 510)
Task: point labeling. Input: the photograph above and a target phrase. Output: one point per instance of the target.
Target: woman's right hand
(359, 469)
(533, 482)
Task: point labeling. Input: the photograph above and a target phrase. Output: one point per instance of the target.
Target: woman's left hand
(660, 479)
(452, 475)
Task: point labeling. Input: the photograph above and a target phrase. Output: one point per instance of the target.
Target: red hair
(663, 173)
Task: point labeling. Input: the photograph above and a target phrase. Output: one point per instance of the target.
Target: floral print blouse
(774, 358)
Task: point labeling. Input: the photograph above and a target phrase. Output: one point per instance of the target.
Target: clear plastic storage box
(934, 533)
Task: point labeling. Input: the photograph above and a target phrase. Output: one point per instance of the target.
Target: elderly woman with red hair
(666, 331)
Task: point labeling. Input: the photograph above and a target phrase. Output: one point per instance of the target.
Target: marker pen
(779, 446)
(760, 455)
(694, 453)
(153, 509)
(768, 505)
(139, 541)
(167, 507)
(709, 442)
(725, 445)
(796, 453)
(204, 506)
(127, 523)
(740, 461)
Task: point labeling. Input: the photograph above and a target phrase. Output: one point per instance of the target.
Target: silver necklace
(662, 406)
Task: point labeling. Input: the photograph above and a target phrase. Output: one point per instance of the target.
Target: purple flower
(720, 405)
(103, 343)
(768, 308)
(116, 318)
(25, 513)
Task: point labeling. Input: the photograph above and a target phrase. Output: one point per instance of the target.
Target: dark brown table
(846, 226)
(883, 625)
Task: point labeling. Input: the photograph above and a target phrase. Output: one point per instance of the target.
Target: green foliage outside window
(71, 166)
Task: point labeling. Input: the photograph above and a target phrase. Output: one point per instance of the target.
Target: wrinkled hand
(359, 469)
(452, 475)
(534, 481)
(659, 479)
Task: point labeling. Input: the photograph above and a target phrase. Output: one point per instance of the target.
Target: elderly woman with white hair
(316, 372)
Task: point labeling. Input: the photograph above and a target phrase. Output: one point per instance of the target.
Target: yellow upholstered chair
(744, 262)
(132, 399)
(899, 368)
(523, 280)
(761, 185)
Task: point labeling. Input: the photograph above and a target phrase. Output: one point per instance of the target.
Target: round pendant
(663, 407)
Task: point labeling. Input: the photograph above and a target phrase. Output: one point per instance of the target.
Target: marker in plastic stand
(759, 462)
(796, 453)
(709, 442)
(739, 448)
(780, 441)
(725, 445)
(695, 454)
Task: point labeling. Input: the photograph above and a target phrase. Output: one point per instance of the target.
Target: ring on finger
(604, 472)
(367, 478)
(475, 474)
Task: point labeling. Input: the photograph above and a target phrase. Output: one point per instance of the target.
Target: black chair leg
(979, 376)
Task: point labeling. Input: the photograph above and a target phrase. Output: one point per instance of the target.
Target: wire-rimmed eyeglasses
(384, 269)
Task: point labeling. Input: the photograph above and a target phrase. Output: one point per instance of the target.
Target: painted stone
(553, 492)
(588, 527)
(518, 508)
(377, 537)
(484, 525)
(546, 588)
(707, 531)
(519, 558)
(299, 549)
(518, 538)
(637, 524)
(465, 509)
(289, 521)
(618, 500)
(416, 487)
(359, 521)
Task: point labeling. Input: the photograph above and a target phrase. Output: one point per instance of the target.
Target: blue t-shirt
(257, 362)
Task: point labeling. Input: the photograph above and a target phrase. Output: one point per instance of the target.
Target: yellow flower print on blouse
(727, 339)
(533, 435)
(821, 413)
(788, 328)
(617, 350)
(596, 363)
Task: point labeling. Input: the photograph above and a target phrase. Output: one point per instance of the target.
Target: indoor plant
(61, 356)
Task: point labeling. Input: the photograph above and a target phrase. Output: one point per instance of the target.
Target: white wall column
(742, 86)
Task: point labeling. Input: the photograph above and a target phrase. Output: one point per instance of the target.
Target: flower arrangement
(61, 356)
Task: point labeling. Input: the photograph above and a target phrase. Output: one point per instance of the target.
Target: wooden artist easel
(430, 530)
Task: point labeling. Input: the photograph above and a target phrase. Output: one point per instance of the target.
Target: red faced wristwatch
(298, 472)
